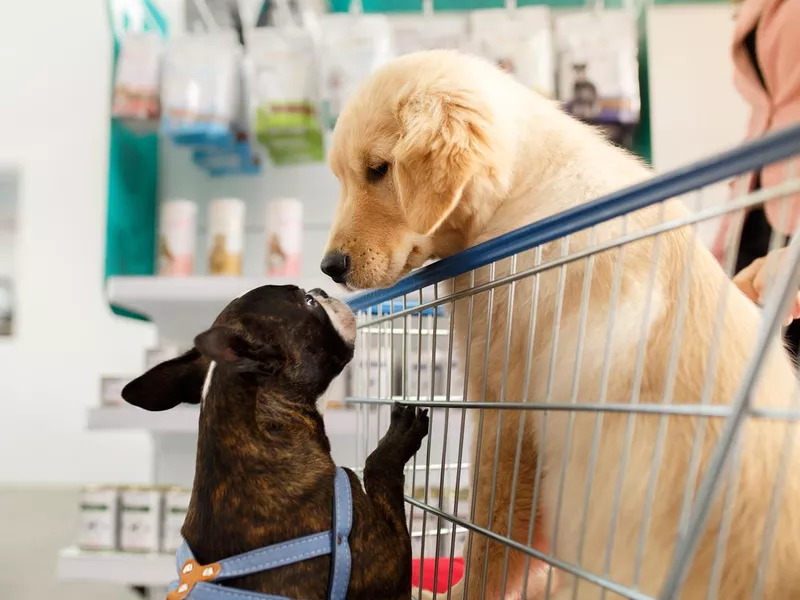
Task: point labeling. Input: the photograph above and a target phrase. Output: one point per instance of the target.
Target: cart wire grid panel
(592, 428)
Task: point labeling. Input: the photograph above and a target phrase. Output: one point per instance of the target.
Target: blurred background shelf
(146, 570)
(184, 419)
(182, 307)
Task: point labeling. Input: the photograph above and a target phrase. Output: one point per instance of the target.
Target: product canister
(140, 519)
(284, 237)
(155, 356)
(176, 505)
(98, 518)
(177, 237)
(226, 236)
(111, 390)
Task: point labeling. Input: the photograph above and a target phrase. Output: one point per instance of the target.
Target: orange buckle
(191, 574)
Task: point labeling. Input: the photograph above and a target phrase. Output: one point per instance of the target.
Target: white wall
(54, 130)
(695, 110)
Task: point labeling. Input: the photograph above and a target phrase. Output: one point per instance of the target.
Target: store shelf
(338, 421)
(178, 420)
(155, 570)
(182, 307)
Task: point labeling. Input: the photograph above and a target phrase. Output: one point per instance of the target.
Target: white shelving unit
(182, 307)
(146, 570)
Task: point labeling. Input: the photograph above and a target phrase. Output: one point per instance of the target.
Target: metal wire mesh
(518, 349)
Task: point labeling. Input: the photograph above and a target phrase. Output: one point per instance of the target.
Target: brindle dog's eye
(310, 300)
(375, 174)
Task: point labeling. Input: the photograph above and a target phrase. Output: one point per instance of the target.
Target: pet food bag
(201, 91)
(520, 42)
(412, 33)
(598, 70)
(284, 94)
(136, 83)
(352, 47)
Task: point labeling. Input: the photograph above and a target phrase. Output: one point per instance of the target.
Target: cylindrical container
(226, 236)
(98, 518)
(177, 237)
(155, 356)
(176, 505)
(284, 237)
(140, 520)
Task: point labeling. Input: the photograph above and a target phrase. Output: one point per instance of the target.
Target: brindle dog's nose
(335, 265)
(319, 292)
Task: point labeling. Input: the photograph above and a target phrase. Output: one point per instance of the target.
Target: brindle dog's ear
(231, 349)
(169, 384)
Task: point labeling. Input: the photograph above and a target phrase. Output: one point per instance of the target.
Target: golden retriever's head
(420, 152)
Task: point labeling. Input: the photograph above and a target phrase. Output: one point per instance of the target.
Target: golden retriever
(439, 151)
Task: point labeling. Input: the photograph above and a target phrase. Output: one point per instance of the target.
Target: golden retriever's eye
(375, 174)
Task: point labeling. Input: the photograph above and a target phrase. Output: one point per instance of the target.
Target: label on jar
(140, 522)
(226, 236)
(97, 519)
(284, 237)
(176, 505)
(177, 238)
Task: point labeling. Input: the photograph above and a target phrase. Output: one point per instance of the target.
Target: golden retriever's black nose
(335, 265)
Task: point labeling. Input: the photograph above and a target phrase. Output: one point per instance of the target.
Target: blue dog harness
(197, 582)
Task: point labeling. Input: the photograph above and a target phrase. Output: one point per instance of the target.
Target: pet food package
(140, 519)
(284, 237)
(98, 518)
(411, 33)
(177, 238)
(284, 94)
(201, 88)
(352, 47)
(226, 236)
(136, 84)
(518, 41)
(372, 366)
(176, 505)
(598, 70)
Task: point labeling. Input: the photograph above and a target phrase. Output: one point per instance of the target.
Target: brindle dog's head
(293, 341)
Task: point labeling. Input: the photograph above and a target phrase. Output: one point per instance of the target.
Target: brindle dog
(264, 471)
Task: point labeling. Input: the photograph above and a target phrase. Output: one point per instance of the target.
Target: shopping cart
(407, 353)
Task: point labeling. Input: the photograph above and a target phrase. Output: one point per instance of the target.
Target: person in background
(766, 58)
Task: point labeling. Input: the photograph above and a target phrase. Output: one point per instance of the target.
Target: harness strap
(334, 542)
(341, 558)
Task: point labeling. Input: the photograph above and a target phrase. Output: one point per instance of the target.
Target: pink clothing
(777, 26)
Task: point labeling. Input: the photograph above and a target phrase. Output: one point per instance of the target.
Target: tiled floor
(34, 525)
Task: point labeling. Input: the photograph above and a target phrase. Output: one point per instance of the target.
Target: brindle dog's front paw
(407, 429)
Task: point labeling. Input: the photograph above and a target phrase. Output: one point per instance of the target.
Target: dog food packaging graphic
(140, 519)
(598, 69)
(284, 237)
(520, 42)
(412, 33)
(226, 236)
(201, 89)
(176, 505)
(136, 85)
(177, 237)
(98, 518)
(284, 94)
(352, 48)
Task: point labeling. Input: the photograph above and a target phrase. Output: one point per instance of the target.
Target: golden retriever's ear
(444, 143)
